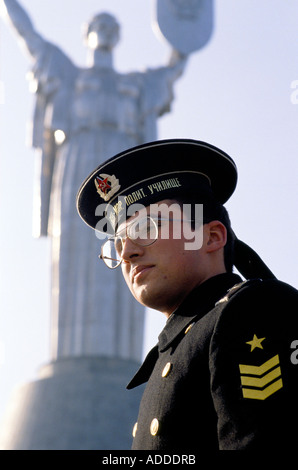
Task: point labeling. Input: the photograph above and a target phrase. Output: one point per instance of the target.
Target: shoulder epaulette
(235, 289)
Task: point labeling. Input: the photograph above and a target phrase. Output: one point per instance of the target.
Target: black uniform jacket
(223, 375)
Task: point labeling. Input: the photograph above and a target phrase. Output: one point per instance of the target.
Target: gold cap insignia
(106, 186)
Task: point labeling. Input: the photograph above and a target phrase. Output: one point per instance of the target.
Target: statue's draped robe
(101, 112)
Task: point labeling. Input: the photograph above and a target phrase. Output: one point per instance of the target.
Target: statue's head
(102, 32)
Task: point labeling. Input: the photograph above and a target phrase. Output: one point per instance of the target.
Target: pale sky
(235, 93)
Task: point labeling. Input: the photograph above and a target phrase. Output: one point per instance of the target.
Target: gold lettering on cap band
(134, 196)
(153, 188)
(166, 183)
(163, 185)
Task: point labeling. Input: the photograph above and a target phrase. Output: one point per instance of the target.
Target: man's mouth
(139, 271)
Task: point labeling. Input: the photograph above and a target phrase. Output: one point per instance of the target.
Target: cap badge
(106, 186)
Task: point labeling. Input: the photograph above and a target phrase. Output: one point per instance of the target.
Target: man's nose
(130, 249)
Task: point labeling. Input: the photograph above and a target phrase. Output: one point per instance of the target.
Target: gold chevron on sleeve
(259, 370)
(262, 394)
(259, 382)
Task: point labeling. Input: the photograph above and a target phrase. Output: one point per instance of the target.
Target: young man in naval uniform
(223, 375)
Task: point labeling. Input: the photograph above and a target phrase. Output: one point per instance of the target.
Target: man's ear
(216, 236)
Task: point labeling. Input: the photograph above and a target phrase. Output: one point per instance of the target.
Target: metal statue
(83, 116)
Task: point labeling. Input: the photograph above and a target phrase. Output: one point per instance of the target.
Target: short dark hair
(213, 210)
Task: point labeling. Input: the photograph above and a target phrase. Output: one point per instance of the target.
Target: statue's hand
(177, 57)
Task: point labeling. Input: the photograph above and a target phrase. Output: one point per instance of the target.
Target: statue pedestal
(75, 404)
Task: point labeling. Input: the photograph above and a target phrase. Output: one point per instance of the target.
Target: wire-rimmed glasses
(143, 231)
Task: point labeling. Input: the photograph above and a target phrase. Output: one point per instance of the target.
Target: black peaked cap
(155, 171)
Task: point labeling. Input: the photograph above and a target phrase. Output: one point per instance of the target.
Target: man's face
(162, 274)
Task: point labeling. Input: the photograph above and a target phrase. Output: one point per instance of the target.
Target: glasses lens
(143, 231)
(111, 252)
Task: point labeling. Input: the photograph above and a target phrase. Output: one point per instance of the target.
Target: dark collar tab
(144, 372)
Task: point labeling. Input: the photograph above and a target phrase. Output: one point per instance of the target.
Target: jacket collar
(195, 306)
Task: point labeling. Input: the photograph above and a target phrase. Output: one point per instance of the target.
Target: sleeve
(158, 84)
(254, 369)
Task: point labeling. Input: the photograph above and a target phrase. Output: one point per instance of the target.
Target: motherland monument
(83, 116)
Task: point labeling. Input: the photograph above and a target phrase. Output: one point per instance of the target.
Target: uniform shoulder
(262, 290)
(259, 302)
(253, 365)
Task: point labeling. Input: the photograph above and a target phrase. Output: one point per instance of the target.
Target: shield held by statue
(186, 24)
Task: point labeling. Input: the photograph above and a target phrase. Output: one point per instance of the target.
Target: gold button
(154, 427)
(166, 369)
(188, 328)
(134, 431)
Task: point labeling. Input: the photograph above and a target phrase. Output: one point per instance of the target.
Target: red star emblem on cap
(103, 184)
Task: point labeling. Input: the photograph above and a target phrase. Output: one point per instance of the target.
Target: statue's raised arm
(177, 63)
(186, 26)
(12, 12)
(51, 80)
(50, 65)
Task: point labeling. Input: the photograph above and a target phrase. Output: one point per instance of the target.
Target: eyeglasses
(143, 232)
